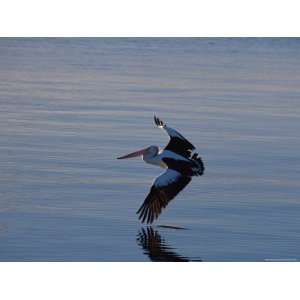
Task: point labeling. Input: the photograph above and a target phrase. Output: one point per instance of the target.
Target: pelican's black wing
(177, 144)
(163, 190)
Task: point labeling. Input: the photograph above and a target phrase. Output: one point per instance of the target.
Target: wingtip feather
(158, 122)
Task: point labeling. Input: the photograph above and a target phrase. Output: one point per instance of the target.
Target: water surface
(69, 107)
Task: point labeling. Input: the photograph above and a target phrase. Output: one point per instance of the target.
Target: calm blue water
(69, 107)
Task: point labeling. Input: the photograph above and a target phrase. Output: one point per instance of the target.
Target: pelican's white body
(154, 156)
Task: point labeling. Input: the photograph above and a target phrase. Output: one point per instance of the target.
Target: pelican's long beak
(134, 154)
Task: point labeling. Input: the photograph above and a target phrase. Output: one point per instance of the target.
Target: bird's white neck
(154, 160)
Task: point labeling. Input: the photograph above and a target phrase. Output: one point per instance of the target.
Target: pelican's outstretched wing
(163, 190)
(177, 143)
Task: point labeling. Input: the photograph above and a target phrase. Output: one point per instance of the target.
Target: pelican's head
(149, 151)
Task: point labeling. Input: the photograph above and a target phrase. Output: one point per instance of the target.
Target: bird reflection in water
(156, 249)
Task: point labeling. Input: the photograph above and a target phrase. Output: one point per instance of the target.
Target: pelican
(181, 164)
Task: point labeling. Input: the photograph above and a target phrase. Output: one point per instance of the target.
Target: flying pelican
(181, 164)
